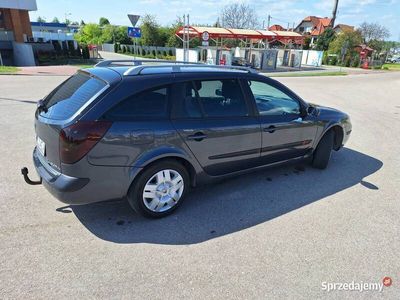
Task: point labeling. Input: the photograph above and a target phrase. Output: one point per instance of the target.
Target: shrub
(347, 61)
(333, 60)
(116, 48)
(356, 61)
(85, 51)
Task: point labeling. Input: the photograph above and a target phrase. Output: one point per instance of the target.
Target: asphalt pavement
(277, 233)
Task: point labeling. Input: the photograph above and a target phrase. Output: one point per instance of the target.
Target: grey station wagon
(151, 131)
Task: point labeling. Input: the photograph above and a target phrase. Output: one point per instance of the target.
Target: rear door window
(71, 95)
(148, 104)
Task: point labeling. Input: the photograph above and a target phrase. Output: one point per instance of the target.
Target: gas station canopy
(231, 33)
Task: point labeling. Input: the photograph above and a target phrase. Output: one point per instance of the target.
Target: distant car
(149, 133)
(240, 61)
(395, 60)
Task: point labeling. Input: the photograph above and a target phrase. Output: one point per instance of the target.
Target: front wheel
(322, 153)
(159, 190)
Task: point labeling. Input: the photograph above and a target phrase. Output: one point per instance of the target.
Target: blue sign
(134, 32)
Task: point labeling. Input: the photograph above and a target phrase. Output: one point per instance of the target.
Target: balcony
(6, 36)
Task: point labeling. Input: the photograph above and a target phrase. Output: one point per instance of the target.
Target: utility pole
(334, 12)
(186, 37)
(269, 21)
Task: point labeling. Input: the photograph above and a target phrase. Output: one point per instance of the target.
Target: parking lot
(280, 232)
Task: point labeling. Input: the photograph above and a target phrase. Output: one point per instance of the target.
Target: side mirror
(311, 110)
(303, 112)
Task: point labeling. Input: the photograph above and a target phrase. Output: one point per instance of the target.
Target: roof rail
(137, 62)
(141, 64)
(176, 68)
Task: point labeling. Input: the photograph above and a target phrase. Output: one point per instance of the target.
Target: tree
(325, 39)
(239, 15)
(55, 20)
(373, 31)
(150, 31)
(346, 40)
(89, 34)
(83, 23)
(172, 40)
(68, 21)
(41, 19)
(109, 33)
(104, 21)
(307, 42)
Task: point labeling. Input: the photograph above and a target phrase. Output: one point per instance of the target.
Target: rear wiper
(41, 106)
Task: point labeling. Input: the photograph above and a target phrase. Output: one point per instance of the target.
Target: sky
(351, 12)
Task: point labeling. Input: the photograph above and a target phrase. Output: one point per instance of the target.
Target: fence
(142, 50)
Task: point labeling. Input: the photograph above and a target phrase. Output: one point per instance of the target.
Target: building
(313, 26)
(48, 32)
(276, 27)
(15, 29)
(339, 28)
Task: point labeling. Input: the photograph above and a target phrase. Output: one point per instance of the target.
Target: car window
(272, 101)
(186, 102)
(221, 98)
(71, 95)
(148, 104)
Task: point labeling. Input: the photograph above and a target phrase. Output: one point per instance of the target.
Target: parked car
(150, 133)
(395, 60)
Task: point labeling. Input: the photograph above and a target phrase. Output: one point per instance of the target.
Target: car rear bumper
(108, 183)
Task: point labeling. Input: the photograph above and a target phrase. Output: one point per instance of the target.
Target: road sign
(134, 32)
(134, 19)
(205, 36)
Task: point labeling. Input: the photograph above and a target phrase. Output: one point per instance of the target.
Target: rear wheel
(323, 152)
(159, 190)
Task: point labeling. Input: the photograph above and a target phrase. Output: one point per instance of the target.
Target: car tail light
(77, 140)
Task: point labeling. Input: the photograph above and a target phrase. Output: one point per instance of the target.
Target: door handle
(198, 137)
(270, 129)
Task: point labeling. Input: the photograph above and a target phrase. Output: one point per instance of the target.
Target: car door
(286, 131)
(215, 121)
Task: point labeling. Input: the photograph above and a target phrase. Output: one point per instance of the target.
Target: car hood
(325, 111)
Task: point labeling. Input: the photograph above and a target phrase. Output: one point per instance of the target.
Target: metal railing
(174, 66)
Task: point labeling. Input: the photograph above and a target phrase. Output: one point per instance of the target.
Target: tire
(165, 183)
(322, 153)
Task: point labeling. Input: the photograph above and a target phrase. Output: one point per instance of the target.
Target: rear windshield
(69, 97)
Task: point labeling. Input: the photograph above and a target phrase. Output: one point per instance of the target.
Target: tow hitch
(24, 172)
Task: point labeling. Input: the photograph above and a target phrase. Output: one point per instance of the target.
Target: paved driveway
(274, 233)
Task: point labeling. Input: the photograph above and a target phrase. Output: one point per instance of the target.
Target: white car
(395, 60)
